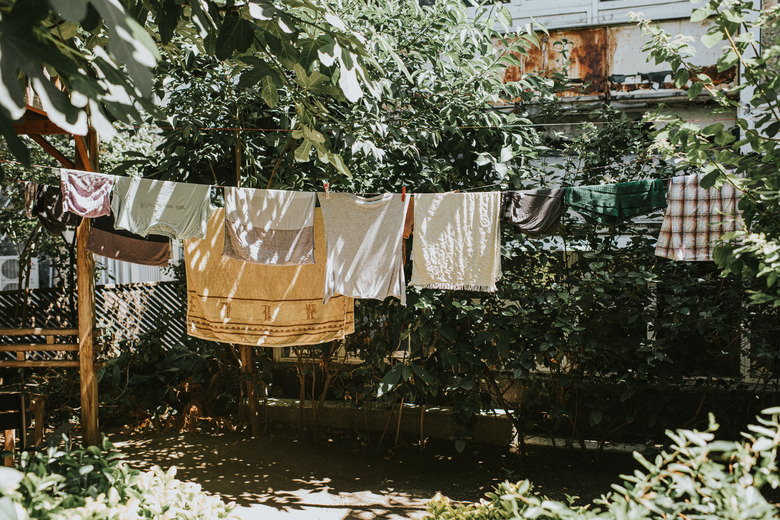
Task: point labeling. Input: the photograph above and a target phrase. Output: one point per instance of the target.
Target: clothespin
(403, 194)
(326, 184)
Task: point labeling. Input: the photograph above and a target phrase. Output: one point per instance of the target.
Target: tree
(435, 127)
(91, 62)
(748, 156)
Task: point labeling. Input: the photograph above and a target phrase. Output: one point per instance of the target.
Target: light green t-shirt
(172, 209)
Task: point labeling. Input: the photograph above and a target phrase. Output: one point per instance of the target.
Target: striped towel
(252, 304)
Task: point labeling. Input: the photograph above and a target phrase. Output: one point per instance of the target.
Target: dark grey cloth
(45, 202)
(534, 212)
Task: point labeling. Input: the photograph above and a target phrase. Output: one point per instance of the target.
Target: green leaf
(129, 43)
(389, 381)
(303, 152)
(308, 81)
(699, 15)
(728, 60)
(712, 129)
(695, 89)
(681, 78)
(269, 92)
(712, 38)
(235, 35)
(708, 181)
(336, 160)
(423, 375)
(253, 76)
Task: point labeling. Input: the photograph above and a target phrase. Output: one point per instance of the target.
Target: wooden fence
(124, 313)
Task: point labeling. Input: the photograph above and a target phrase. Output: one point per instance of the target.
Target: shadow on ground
(276, 476)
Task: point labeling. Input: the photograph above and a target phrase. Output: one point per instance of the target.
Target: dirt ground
(276, 476)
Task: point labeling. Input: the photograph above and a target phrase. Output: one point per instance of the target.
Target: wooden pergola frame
(36, 124)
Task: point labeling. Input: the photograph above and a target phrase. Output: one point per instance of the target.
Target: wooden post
(248, 373)
(85, 263)
(9, 445)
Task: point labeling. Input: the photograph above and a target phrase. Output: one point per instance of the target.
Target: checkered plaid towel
(695, 219)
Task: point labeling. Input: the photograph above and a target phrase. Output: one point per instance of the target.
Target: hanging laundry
(365, 235)
(86, 194)
(105, 240)
(45, 202)
(273, 227)
(252, 304)
(695, 218)
(171, 209)
(456, 241)
(614, 203)
(534, 212)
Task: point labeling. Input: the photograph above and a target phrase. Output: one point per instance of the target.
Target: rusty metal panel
(609, 61)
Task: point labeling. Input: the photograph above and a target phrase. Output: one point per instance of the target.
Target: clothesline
(463, 127)
(456, 242)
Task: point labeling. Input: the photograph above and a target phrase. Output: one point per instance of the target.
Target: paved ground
(278, 477)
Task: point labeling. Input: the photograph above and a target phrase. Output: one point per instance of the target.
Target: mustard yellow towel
(253, 304)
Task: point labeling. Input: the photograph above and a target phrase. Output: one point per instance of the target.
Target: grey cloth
(273, 227)
(365, 253)
(534, 212)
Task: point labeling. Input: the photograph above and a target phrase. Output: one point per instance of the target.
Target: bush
(697, 477)
(87, 483)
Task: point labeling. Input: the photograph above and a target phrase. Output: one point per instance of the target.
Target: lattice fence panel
(124, 312)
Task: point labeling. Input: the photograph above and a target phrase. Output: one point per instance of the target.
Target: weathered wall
(608, 62)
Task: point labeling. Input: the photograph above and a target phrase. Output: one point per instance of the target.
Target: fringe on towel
(456, 287)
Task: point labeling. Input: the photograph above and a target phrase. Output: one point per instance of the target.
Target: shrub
(697, 477)
(92, 483)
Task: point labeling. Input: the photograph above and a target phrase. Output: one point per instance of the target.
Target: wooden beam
(38, 127)
(85, 264)
(29, 347)
(82, 154)
(92, 148)
(39, 332)
(36, 363)
(51, 150)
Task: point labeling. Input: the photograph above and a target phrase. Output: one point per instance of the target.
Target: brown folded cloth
(45, 202)
(534, 212)
(123, 245)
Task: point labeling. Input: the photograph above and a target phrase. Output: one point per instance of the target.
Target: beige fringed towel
(252, 304)
(456, 241)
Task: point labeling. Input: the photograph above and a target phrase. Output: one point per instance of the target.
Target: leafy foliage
(747, 158)
(94, 483)
(102, 52)
(696, 477)
(434, 127)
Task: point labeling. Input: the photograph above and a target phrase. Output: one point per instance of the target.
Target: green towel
(613, 203)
